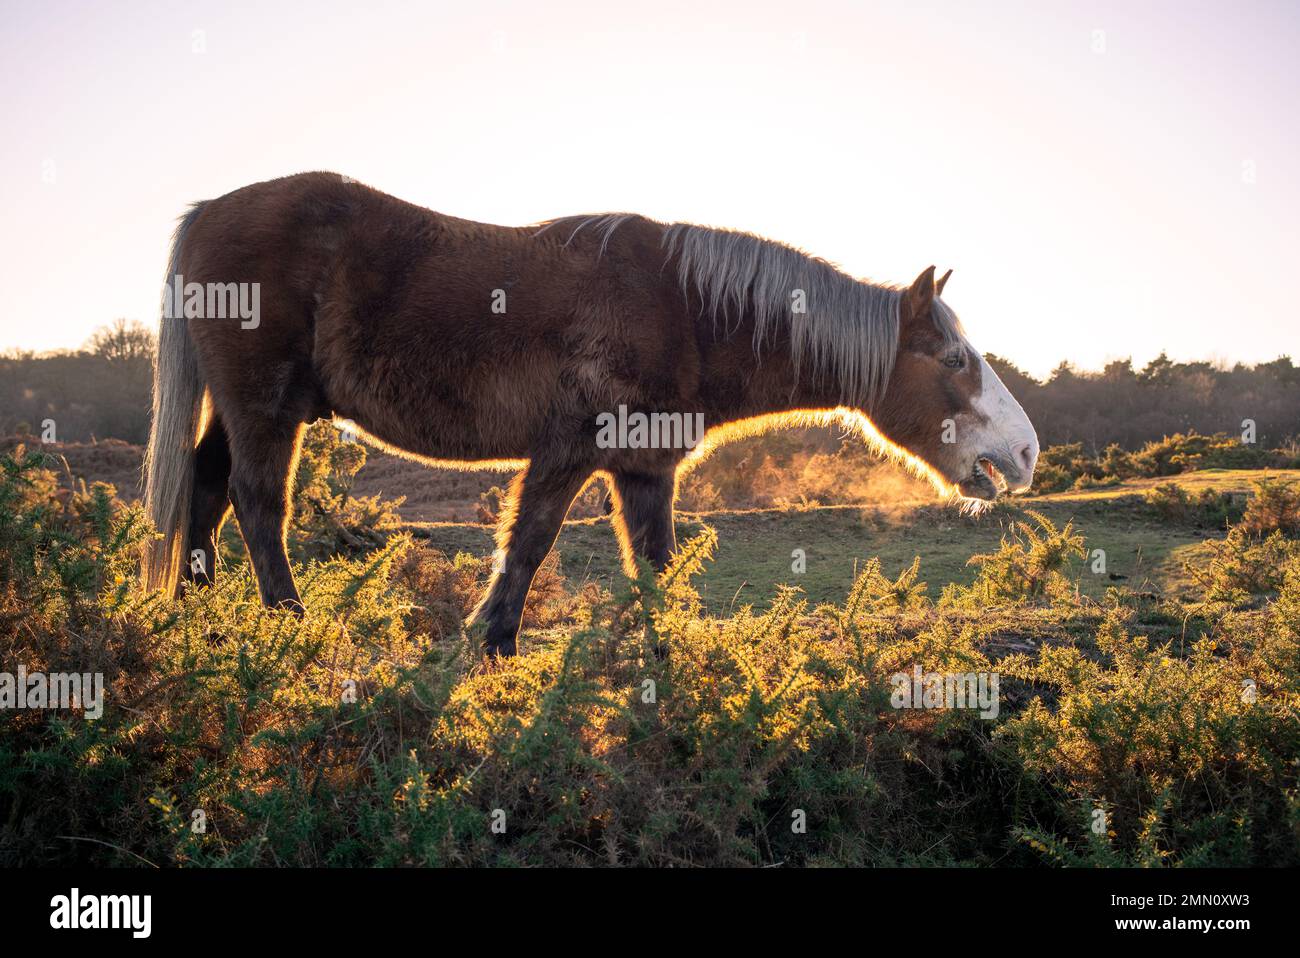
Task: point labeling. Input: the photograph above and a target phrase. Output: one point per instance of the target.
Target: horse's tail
(177, 413)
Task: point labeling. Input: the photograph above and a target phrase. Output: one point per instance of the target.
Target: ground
(755, 547)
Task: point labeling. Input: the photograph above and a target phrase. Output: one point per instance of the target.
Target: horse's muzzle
(991, 475)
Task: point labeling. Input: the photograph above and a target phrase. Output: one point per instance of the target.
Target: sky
(1106, 180)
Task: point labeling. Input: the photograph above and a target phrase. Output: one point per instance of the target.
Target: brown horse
(549, 347)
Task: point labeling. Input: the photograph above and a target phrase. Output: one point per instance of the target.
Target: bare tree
(123, 341)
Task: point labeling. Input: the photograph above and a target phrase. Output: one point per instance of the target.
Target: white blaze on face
(1007, 438)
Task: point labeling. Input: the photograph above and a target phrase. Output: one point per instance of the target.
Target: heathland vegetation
(1141, 614)
(647, 722)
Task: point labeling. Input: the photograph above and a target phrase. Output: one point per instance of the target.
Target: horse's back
(440, 335)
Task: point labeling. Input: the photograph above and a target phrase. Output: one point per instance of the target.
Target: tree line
(1131, 407)
(103, 391)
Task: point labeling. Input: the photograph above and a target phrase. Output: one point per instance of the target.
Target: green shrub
(1234, 569)
(1186, 453)
(1274, 507)
(327, 519)
(1029, 564)
(1117, 462)
(1171, 502)
(1175, 751)
(1070, 467)
(1087, 481)
(1060, 467)
(1049, 478)
(371, 733)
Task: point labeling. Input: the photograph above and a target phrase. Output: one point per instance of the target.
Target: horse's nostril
(1025, 454)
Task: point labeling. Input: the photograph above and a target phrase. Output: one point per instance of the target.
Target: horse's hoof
(504, 649)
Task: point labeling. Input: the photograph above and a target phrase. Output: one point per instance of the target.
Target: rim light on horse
(464, 343)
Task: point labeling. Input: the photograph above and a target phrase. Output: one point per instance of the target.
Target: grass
(755, 547)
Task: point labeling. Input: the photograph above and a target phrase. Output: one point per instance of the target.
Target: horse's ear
(920, 297)
(938, 287)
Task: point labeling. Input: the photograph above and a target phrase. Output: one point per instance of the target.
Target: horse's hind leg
(210, 503)
(263, 457)
(539, 500)
(643, 517)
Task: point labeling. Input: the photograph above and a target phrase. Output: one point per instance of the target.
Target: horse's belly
(463, 411)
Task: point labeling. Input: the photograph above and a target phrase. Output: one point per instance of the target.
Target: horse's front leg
(643, 517)
(539, 500)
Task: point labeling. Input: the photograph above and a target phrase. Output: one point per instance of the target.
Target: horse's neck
(719, 272)
(766, 383)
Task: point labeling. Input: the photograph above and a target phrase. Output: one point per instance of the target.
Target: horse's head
(946, 406)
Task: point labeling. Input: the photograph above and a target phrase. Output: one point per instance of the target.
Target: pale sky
(1106, 179)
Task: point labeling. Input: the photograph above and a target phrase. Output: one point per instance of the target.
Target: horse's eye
(955, 359)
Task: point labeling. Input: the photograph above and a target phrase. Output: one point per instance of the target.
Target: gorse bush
(1174, 751)
(1241, 567)
(1069, 466)
(1207, 508)
(1274, 507)
(1254, 559)
(873, 591)
(636, 730)
(327, 519)
(1029, 564)
(1060, 467)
